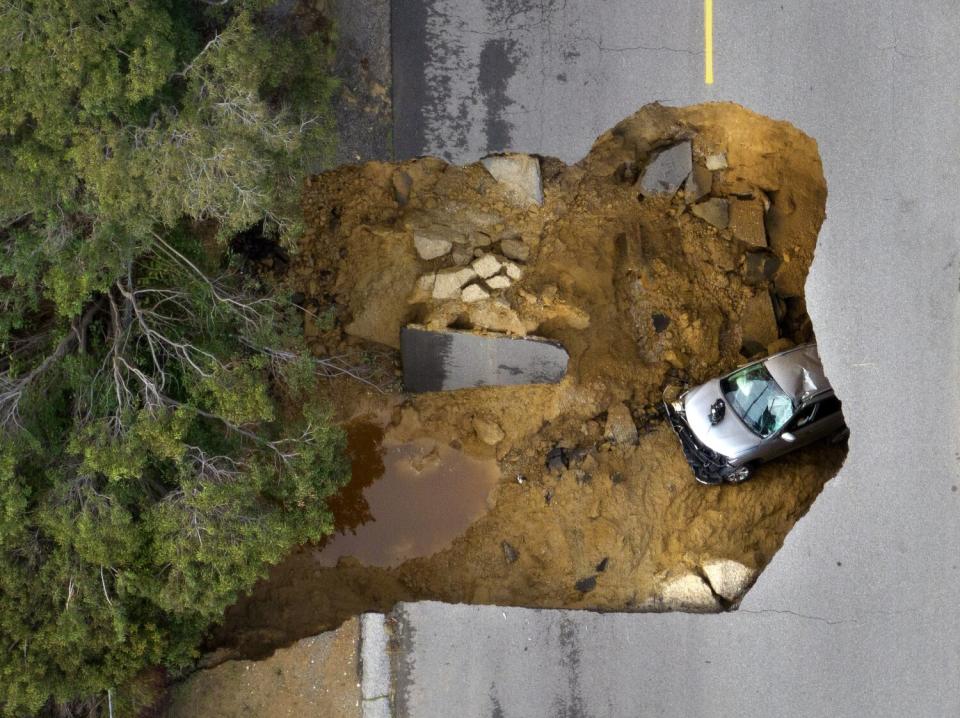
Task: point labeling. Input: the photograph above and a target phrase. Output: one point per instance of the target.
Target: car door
(813, 421)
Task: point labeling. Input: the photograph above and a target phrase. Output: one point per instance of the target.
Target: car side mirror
(788, 437)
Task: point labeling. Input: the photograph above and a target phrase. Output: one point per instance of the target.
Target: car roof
(799, 371)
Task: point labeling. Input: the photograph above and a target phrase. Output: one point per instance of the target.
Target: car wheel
(740, 475)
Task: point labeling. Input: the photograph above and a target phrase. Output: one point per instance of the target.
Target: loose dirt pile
(595, 506)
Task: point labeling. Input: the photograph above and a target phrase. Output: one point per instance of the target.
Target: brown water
(405, 500)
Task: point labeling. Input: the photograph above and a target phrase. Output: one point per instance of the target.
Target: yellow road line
(708, 41)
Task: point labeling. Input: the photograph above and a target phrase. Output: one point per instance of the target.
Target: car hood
(730, 437)
(798, 371)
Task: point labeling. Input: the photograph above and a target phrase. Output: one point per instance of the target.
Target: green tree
(159, 446)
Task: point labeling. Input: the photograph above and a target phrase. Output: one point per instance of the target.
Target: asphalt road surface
(858, 615)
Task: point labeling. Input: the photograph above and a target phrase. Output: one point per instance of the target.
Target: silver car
(762, 410)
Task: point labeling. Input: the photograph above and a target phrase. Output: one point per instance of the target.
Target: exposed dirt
(641, 292)
(317, 676)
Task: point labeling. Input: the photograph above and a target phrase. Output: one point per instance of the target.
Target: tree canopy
(159, 443)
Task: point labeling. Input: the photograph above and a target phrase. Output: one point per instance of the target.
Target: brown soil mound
(643, 294)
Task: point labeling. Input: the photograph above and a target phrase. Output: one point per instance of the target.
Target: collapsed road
(671, 253)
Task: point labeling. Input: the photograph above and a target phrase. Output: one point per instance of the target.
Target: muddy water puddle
(405, 500)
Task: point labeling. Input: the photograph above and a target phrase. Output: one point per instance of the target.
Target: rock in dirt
(495, 317)
(510, 554)
(660, 322)
(426, 282)
(717, 161)
(461, 256)
(729, 579)
(515, 249)
(430, 246)
(602, 566)
(486, 266)
(758, 321)
(513, 271)
(586, 585)
(667, 171)
(489, 432)
(620, 427)
(480, 239)
(499, 282)
(746, 221)
(448, 282)
(520, 174)
(714, 211)
(474, 293)
(698, 184)
(688, 593)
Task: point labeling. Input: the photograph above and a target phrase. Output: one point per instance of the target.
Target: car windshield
(758, 399)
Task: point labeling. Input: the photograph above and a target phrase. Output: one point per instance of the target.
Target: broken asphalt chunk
(667, 171)
(698, 184)
(446, 360)
(715, 212)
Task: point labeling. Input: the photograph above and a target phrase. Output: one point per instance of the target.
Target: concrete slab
(440, 361)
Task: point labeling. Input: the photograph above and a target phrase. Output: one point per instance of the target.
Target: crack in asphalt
(805, 616)
(631, 48)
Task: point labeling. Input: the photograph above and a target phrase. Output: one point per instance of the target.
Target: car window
(803, 417)
(829, 406)
(815, 412)
(757, 399)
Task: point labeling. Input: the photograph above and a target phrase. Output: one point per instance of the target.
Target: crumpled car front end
(709, 467)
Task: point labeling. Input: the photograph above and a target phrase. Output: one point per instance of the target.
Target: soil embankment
(595, 506)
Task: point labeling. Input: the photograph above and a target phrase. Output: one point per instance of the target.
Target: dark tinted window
(828, 406)
(815, 412)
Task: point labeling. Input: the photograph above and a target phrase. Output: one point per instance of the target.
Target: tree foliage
(158, 443)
